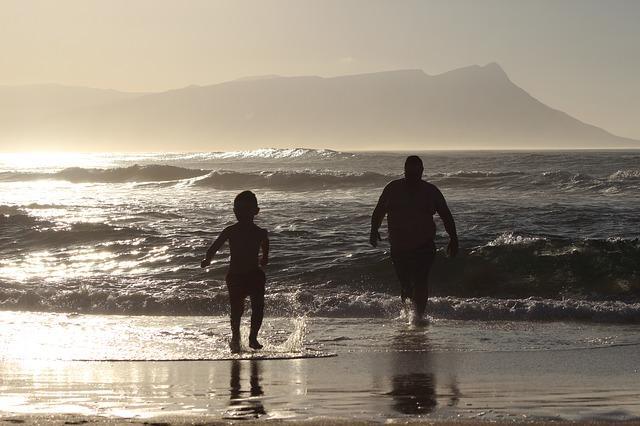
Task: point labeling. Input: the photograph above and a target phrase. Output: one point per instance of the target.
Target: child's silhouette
(245, 277)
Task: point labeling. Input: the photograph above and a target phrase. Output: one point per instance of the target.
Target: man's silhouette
(410, 204)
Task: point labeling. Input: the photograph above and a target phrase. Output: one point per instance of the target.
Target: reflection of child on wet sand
(245, 277)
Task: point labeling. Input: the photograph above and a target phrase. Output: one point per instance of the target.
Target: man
(410, 204)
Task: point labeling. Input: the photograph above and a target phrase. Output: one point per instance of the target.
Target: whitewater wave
(280, 154)
(511, 238)
(625, 175)
(321, 179)
(508, 266)
(299, 180)
(482, 308)
(338, 304)
(615, 182)
(542, 280)
(260, 155)
(222, 179)
(560, 180)
(535, 309)
(477, 174)
(135, 173)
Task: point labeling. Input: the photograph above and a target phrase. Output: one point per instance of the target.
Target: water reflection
(241, 405)
(413, 387)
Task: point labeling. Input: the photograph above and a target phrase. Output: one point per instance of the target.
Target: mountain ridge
(472, 107)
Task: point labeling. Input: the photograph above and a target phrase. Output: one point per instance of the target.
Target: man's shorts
(246, 284)
(413, 266)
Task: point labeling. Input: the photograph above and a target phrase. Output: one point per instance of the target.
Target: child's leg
(236, 302)
(257, 313)
(257, 309)
(237, 309)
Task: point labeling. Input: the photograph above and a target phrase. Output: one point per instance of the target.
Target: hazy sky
(580, 56)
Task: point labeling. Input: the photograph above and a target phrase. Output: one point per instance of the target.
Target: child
(244, 278)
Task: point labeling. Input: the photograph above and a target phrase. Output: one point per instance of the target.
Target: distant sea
(545, 236)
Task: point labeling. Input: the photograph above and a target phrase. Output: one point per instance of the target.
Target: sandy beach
(569, 385)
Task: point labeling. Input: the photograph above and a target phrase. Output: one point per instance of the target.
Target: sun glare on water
(47, 161)
(49, 207)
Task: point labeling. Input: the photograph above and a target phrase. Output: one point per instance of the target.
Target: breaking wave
(321, 179)
(280, 154)
(304, 180)
(135, 173)
(535, 309)
(292, 180)
(476, 174)
(512, 276)
(338, 304)
(625, 175)
(560, 180)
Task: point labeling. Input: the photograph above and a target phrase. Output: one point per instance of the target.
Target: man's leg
(420, 297)
(421, 269)
(403, 272)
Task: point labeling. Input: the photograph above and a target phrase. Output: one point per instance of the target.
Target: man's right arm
(264, 245)
(378, 215)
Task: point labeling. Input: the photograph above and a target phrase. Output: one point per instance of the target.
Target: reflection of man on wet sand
(410, 204)
(413, 383)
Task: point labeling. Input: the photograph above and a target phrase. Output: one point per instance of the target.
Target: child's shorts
(246, 284)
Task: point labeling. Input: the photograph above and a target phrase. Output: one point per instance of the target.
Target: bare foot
(234, 345)
(254, 344)
(418, 321)
(406, 292)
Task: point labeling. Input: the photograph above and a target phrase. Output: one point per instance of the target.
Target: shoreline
(70, 419)
(367, 387)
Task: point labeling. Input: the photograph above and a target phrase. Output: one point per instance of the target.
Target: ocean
(107, 247)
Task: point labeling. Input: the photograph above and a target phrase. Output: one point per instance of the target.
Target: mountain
(472, 107)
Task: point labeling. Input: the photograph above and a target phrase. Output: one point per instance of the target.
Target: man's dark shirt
(410, 209)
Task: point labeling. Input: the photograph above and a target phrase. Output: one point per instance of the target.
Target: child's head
(245, 206)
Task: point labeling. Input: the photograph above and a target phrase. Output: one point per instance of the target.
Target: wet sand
(570, 385)
(198, 421)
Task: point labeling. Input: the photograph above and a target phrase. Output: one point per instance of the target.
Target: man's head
(245, 206)
(413, 168)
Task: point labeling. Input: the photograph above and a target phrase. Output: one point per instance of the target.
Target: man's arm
(217, 244)
(449, 224)
(264, 261)
(376, 218)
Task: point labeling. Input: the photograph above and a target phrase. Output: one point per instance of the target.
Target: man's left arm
(449, 224)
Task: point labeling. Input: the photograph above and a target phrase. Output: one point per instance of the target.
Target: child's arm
(265, 250)
(222, 238)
